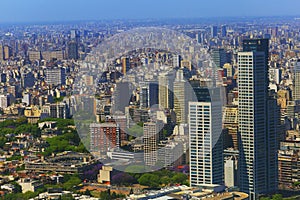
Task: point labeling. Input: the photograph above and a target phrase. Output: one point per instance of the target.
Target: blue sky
(65, 10)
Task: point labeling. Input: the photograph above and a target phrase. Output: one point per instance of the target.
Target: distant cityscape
(151, 109)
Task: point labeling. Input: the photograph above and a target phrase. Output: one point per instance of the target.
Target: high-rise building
(7, 50)
(296, 91)
(104, 137)
(152, 134)
(223, 30)
(1, 52)
(214, 31)
(177, 61)
(180, 98)
(125, 65)
(257, 163)
(205, 138)
(28, 80)
(55, 76)
(75, 35)
(219, 57)
(148, 94)
(230, 122)
(122, 96)
(275, 75)
(73, 50)
(165, 96)
(200, 37)
(121, 120)
(59, 110)
(153, 93)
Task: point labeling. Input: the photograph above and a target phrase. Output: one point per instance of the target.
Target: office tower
(180, 98)
(257, 45)
(230, 122)
(7, 50)
(205, 137)
(152, 134)
(125, 65)
(257, 164)
(177, 61)
(165, 97)
(148, 94)
(296, 91)
(275, 133)
(144, 97)
(73, 50)
(121, 96)
(104, 137)
(1, 53)
(55, 76)
(75, 35)
(153, 93)
(214, 31)
(200, 38)
(28, 80)
(59, 110)
(219, 57)
(223, 30)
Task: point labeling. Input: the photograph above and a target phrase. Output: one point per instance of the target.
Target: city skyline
(18, 11)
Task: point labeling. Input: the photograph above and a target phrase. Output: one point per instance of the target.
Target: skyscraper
(219, 57)
(257, 163)
(122, 96)
(148, 94)
(223, 30)
(152, 134)
(296, 91)
(125, 65)
(165, 96)
(180, 98)
(214, 31)
(205, 136)
(7, 52)
(1, 53)
(73, 50)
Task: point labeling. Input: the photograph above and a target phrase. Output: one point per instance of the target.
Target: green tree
(72, 181)
(277, 197)
(179, 178)
(165, 180)
(150, 180)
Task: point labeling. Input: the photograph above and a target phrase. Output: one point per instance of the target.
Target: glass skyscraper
(257, 121)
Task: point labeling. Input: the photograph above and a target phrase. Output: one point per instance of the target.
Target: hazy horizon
(20, 11)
